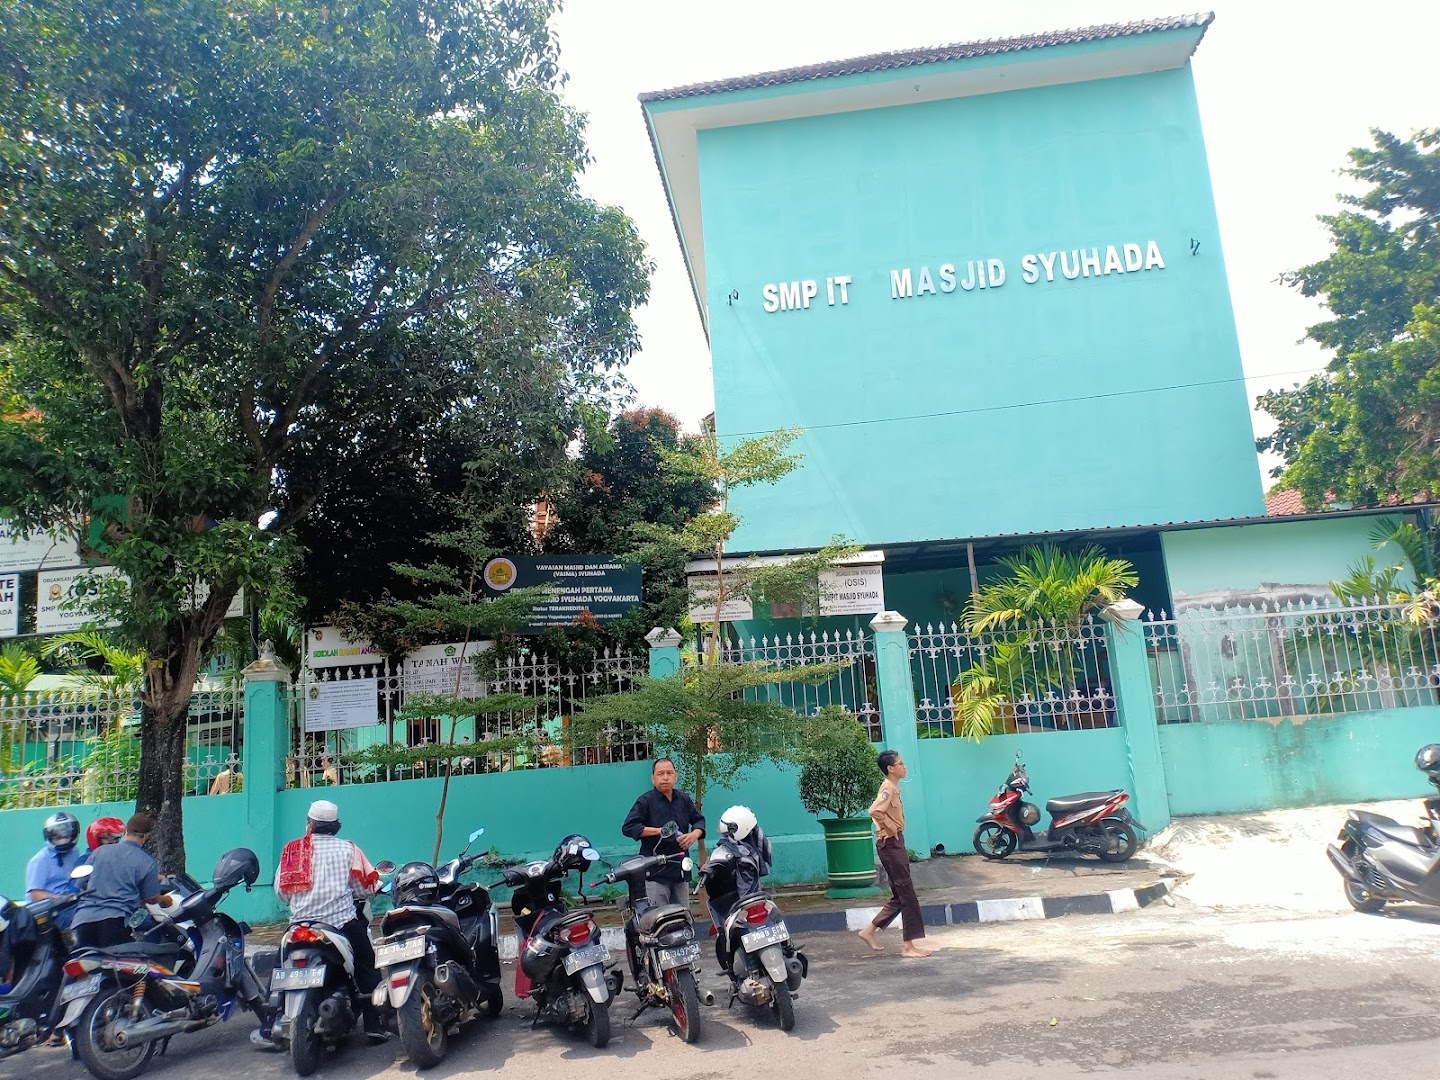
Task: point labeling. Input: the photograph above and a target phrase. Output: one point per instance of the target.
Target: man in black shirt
(659, 806)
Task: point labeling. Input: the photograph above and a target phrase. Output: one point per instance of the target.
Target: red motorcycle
(1091, 823)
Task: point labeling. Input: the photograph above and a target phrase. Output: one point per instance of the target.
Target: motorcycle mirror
(385, 866)
(137, 919)
(80, 873)
(668, 830)
(589, 854)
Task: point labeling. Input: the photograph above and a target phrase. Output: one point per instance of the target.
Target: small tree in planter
(838, 777)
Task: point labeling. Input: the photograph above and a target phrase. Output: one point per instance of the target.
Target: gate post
(1134, 693)
(664, 652)
(897, 718)
(267, 740)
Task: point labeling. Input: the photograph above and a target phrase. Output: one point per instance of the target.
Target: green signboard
(599, 584)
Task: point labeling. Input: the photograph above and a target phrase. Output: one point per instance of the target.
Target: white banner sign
(327, 647)
(9, 605)
(64, 596)
(852, 590)
(703, 590)
(431, 669)
(349, 703)
(201, 593)
(21, 551)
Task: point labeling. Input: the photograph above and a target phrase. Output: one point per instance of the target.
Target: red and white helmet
(105, 830)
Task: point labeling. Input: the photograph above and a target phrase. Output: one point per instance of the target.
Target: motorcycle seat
(1385, 826)
(1069, 804)
(159, 951)
(653, 917)
(428, 912)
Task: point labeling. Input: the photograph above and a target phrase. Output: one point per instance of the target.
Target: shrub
(837, 772)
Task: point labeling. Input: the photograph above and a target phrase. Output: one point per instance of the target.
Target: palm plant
(124, 669)
(1044, 586)
(18, 669)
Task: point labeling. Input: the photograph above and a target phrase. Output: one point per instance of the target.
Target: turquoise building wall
(1109, 399)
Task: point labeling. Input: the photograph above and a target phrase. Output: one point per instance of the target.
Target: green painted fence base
(849, 854)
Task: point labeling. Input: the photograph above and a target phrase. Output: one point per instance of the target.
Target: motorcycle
(124, 1002)
(562, 958)
(1091, 823)
(660, 944)
(438, 957)
(752, 942)
(1381, 860)
(34, 944)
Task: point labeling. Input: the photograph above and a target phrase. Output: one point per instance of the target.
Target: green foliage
(236, 277)
(111, 770)
(92, 657)
(717, 721)
(1364, 430)
(18, 669)
(838, 775)
(1044, 586)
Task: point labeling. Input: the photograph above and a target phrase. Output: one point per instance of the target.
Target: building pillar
(664, 652)
(1134, 692)
(897, 717)
(267, 741)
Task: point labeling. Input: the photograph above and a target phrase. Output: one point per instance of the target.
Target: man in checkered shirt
(324, 879)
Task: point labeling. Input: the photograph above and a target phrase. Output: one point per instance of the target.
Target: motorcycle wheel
(784, 1005)
(304, 1043)
(993, 841)
(597, 1025)
(495, 1002)
(104, 1063)
(1361, 899)
(684, 1003)
(422, 1035)
(1118, 839)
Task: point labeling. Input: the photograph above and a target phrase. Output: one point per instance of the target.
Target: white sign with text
(64, 598)
(852, 590)
(431, 669)
(329, 646)
(31, 551)
(9, 605)
(348, 703)
(703, 592)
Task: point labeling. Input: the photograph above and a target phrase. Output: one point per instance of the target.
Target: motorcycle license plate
(678, 956)
(399, 952)
(80, 988)
(297, 978)
(586, 957)
(766, 935)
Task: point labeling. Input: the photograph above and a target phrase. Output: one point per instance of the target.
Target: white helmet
(738, 821)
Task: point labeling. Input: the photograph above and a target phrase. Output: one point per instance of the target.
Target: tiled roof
(937, 54)
(1281, 502)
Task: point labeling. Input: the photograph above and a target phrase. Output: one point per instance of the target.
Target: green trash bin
(849, 853)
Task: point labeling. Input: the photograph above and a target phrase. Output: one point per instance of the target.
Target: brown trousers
(903, 901)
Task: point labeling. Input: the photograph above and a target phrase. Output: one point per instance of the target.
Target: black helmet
(62, 830)
(1428, 761)
(415, 883)
(575, 852)
(237, 865)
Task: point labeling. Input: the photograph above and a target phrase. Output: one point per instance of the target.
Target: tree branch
(287, 263)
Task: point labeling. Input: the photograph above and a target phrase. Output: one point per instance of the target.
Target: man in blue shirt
(125, 878)
(47, 873)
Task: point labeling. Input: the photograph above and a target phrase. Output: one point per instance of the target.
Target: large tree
(1367, 429)
(246, 248)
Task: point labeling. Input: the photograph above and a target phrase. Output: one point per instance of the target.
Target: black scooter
(1382, 860)
(753, 945)
(439, 959)
(33, 944)
(562, 957)
(660, 944)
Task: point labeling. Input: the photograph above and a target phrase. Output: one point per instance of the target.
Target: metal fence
(393, 747)
(1040, 677)
(1305, 659)
(853, 688)
(83, 746)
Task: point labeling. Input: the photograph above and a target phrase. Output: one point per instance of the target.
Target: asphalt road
(1165, 994)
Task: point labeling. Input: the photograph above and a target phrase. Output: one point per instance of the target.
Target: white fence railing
(83, 746)
(1304, 659)
(393, 748)
(1047, 677)
(853, 688)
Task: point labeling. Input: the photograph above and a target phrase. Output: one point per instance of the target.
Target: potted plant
(838, 778)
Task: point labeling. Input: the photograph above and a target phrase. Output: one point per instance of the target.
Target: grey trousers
(668, 892)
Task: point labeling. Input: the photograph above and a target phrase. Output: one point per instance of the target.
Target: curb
(1017, 909)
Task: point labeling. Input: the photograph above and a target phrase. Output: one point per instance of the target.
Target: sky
(1285, 90)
